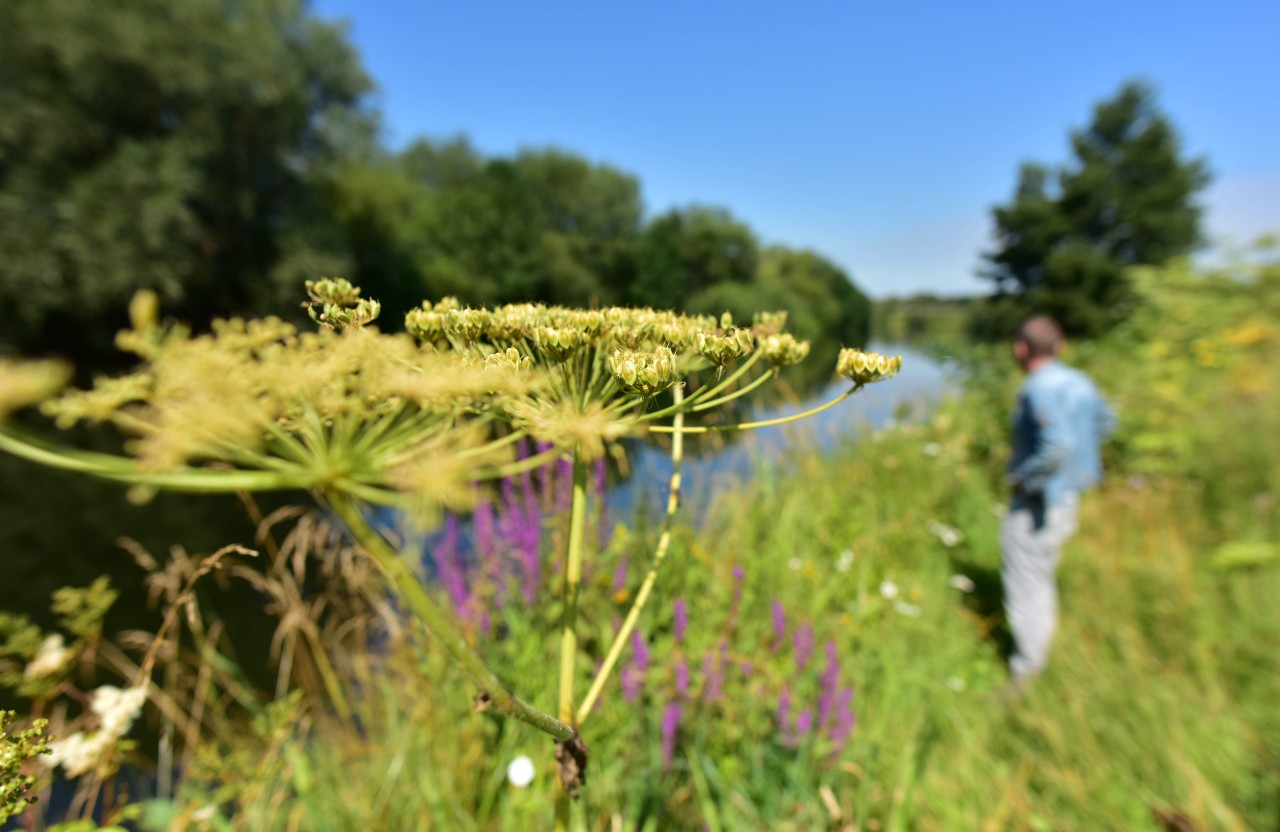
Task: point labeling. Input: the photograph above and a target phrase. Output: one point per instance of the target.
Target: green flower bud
(467, 325)
(559, 342)
(783, 349)
(646, 373)
(723, 348)
(867, 367)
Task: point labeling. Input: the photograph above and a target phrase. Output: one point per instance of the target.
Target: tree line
(220, 153)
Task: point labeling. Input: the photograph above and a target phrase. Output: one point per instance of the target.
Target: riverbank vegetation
(820, 654)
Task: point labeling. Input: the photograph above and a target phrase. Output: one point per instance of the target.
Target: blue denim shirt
(1058, 425)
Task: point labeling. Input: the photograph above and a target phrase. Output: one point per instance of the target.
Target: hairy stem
(411, 591)
(568, 633)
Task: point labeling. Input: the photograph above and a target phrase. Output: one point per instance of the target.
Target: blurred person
(1059, 422)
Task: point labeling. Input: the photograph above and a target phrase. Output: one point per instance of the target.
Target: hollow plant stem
(659, 555)
(568, 632)
(411, 591)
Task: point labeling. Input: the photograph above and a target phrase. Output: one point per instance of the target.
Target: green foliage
(1067, 236)
(178, 147)
(15, 750)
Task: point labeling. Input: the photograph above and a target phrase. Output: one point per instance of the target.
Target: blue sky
(879, 134)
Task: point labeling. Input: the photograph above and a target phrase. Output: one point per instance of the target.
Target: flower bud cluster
(783, 349)
(335, 303)
(646, 373)
(727, 346)
(115, 710)
(867, 367)
(559, 342)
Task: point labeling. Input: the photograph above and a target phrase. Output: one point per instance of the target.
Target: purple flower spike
(670, 727)
(845, 720)
(803, 643)
(713, 674)
(449, 565)
(640, 651)
(681, 619)
(804, 721)
(620, 575)
(779, 625)
(682, 678)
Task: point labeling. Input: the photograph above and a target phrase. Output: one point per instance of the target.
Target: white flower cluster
(116, 710)
(51, 657)
(844, 561)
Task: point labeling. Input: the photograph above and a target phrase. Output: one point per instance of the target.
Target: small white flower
(956, 684)
(520, 772)
(795, 564)
(51, 657)
(78, 753)
(948, 535)
(844, 561)
(961, 582)
(888, 590)
(999, 510)
(909, 610)
(932, 449)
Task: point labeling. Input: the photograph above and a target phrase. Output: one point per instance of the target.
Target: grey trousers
(1031, 539)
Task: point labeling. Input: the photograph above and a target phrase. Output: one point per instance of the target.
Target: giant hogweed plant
(365, 419)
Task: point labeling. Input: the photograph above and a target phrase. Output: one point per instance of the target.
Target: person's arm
(1052, 446)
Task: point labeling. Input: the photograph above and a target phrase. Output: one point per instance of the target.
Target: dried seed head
(426, 323)
(867, 367)
(334, 303)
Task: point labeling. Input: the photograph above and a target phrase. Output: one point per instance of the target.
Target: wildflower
(795, 564)
(961, 582)
(904, 608)
(784, 713)
(844, 561)
(867, 367)
(721, 349)
(521, 771)
(803, 644)
(949, 536)
(632, 679)
(116, 709)
(713, 672)
(646, 373)
(931, 449)
(845, 720)
(955, 683)
(51, 657)
(681, 619)
(804, 721)
(779, 624)
(682, 678)
(888, 590)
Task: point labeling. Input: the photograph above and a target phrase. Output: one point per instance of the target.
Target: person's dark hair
(1042, 335)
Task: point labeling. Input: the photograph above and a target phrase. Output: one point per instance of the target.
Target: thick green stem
(782, 420)
(411, 591)
(659, 555)
(568, 632)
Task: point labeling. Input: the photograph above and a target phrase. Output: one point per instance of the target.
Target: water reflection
(710, 465)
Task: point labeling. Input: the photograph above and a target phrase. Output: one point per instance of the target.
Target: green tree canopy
(1065, 239)
(176, 146)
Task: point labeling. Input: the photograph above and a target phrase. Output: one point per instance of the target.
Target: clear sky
(878, 134)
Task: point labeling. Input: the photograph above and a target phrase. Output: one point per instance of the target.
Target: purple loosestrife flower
(449, 565)
(829, 685)
(682, 678)
(804, 721)
(845, 720)
(670, 727)
(779, 625)
(632, 678)
(620, 575)
(803, 643)
(681, 619)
